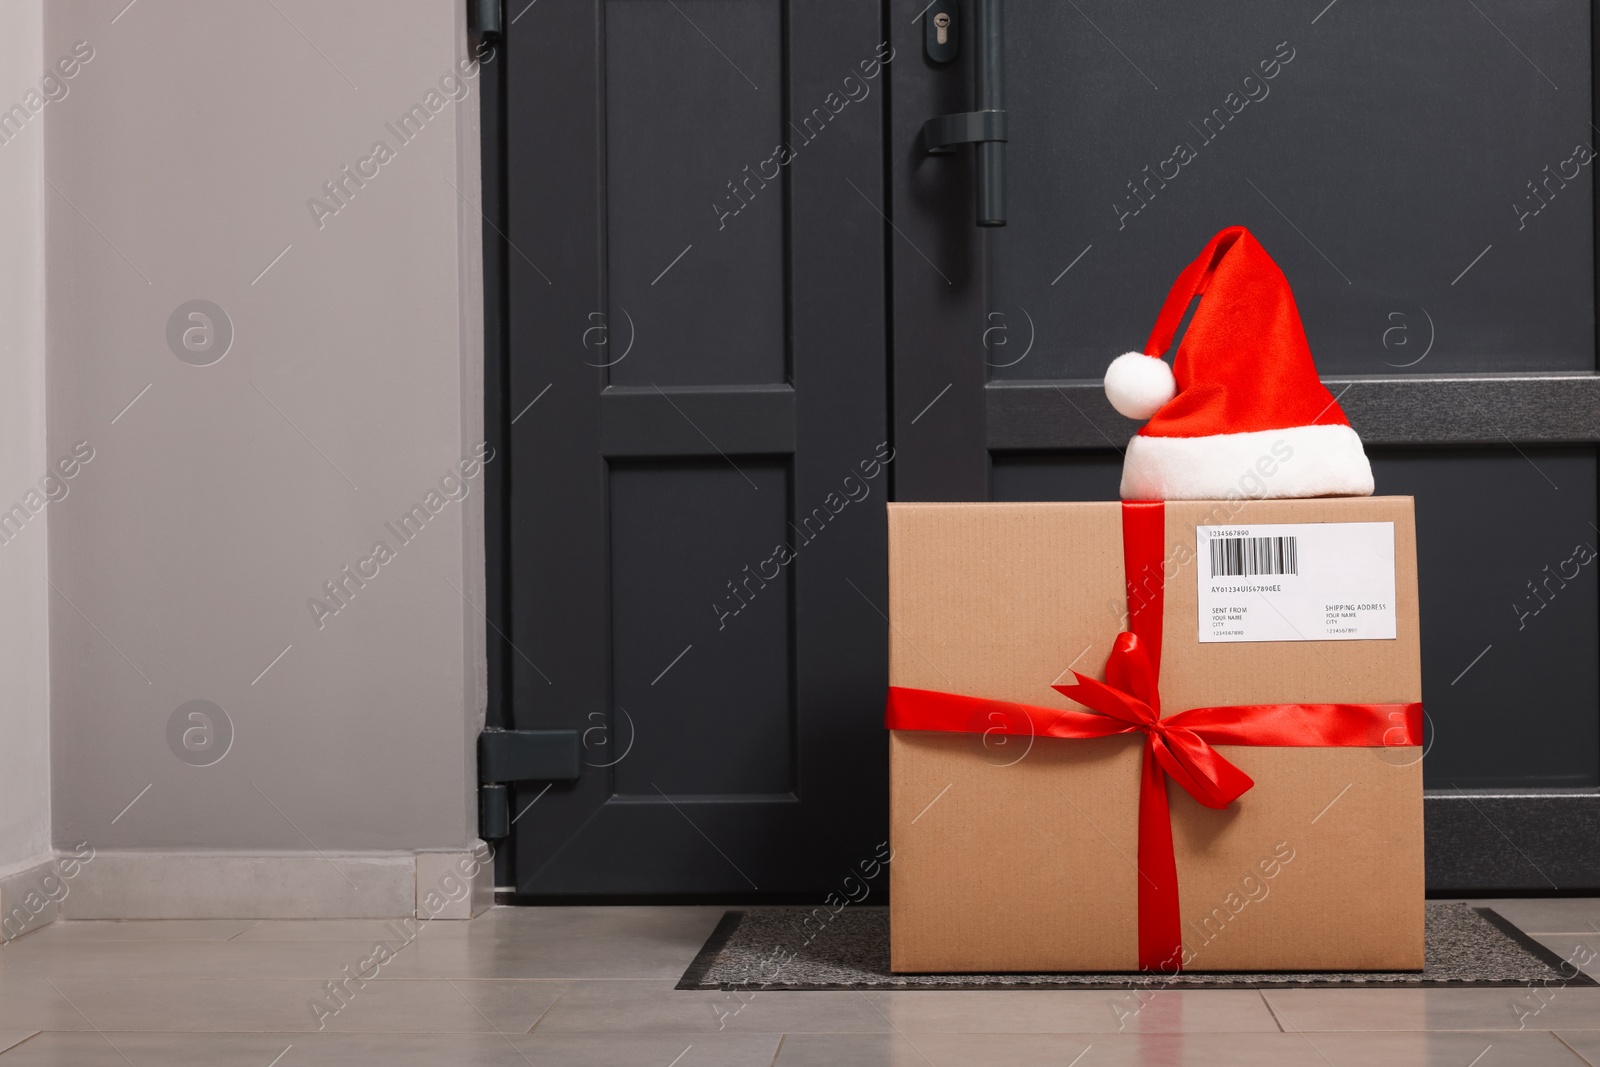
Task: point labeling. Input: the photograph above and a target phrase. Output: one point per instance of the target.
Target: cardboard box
(1017, 854)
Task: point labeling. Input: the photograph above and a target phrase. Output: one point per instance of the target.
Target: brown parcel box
(1004, 863)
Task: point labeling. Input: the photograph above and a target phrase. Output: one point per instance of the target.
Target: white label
(1304, 581)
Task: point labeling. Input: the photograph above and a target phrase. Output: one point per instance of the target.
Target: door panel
(681, 124)
(696, 367)
(734, 732)
(1489, 523)
(1391, 146)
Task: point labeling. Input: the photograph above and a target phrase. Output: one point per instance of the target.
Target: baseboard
(138, 884)
(30, 892)
(455, 885)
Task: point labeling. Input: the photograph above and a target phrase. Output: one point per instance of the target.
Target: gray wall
(24, 704)
(219, 503)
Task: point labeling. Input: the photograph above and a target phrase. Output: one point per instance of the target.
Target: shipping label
(1310, 581)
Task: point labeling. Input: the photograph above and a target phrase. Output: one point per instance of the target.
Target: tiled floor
(559, 986)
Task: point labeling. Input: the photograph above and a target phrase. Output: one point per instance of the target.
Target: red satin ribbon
(1178, 746)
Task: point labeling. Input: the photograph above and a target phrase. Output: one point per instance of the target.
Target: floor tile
(1530, 1048)
(119, 1048)
(1549, 915)
(1075, 1011)
(563, 943)
(1585, 1043)
(504, 1007)
(655, 1050)
(350, 929)
(404, 1050)
(608, 923)
(1554, 1007)
(1191, 1050)
(319, 960)
(655, 1007)
(29, 1004)
(390, 1050)
(301, 1006)
(137, 930)
(871, 1050)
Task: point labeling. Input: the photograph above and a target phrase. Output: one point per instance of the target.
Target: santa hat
(1241, 406)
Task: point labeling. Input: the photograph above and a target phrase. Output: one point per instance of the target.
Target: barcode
(1244, 556)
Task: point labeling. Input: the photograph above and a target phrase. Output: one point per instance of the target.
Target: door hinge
(486, 19)
(506, 756)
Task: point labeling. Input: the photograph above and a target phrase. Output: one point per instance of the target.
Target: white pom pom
(1138, 385)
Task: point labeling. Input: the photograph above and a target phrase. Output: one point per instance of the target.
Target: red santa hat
(1241, 404)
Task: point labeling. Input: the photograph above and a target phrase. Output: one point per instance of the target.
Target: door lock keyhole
(940, 31)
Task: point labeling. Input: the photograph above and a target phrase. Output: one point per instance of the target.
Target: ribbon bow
(1177, 743)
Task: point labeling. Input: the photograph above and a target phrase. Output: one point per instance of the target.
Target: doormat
(769, 948)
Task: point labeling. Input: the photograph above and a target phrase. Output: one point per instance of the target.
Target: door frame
(487, 22)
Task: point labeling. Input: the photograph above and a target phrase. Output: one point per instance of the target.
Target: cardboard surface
(1017, 854)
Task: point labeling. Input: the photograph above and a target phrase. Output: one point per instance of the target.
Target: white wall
(220, 502)
(24, 603)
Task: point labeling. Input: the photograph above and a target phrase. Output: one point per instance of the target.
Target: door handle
(985, 127)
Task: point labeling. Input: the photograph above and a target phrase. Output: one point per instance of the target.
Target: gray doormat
(768, 948)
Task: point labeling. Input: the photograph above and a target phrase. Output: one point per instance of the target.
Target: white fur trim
(1139, 385)
(1299, 461)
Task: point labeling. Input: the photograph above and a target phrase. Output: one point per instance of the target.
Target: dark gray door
(695, 418)
(1423, 174)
